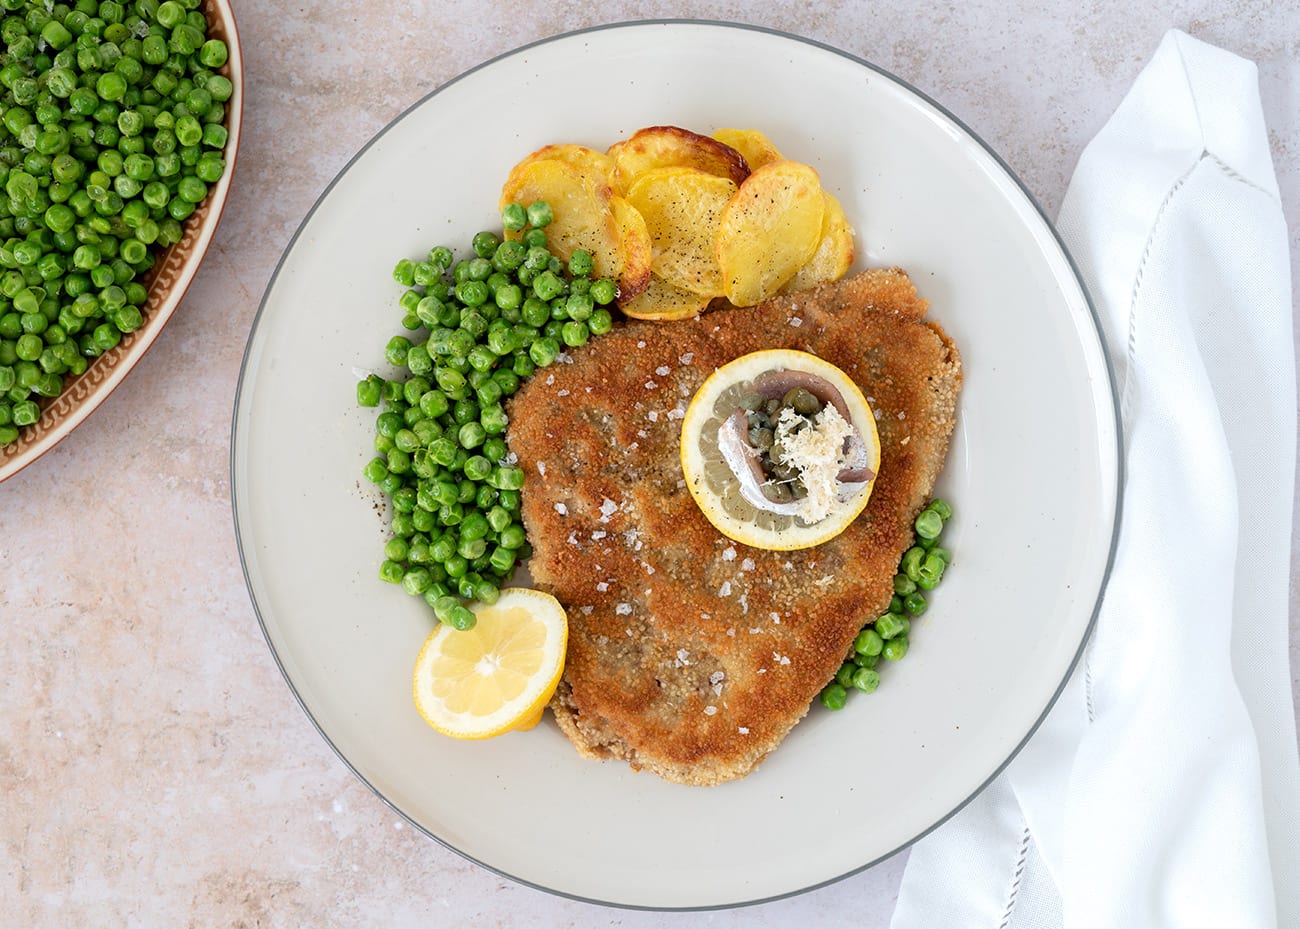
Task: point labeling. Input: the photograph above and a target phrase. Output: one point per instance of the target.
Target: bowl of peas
(119, 126)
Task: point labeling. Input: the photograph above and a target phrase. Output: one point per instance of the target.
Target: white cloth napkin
(1163, 790)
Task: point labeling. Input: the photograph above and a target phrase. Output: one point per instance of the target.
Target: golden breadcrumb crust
(689, 654)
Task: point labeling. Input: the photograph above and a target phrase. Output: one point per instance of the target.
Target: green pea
(834, 696)
(866, 679)
(930, 572)
(601, 322)
(868, 642)
(514, 217)
(929, 524)
(544, 351)
(891, 625)
(540, 214)
(911, 562)
(895, 649)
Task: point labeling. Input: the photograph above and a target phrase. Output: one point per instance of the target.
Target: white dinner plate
(1033, 473)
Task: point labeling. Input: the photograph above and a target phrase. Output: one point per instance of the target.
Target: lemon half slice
(713, 453)
(498, 676)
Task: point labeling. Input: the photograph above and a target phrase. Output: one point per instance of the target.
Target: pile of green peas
(886, 637)
(480, 325)
(111, 131)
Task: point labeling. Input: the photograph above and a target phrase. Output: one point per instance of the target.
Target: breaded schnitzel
(689, 654)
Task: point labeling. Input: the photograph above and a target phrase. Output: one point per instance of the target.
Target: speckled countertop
(154, 768)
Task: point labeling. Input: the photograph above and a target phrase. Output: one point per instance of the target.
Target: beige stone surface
(154, 768)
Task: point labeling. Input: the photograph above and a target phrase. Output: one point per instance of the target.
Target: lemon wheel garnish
(718, 490)
(498, 676)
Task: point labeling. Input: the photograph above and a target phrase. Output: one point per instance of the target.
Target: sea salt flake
(747, 564)
(562, 392)
(550, 379)
(729, 553)
(677, 413)
(902, 414)
(573, 539)
(796, 322)
(731, 632)
(717, 690)
(649, 568)
(561, 509)
(598, 535)
(905, 440)
(623, 609)
(654, 416)
(710, 710)
(512, 458)
(662, 370)
(687, 358)
(650, 385)
(779, 658)
(602, 587)
(824, 580)
(725, 589)
(564, 358)
(607, 509)
(640, 343)
(541, 468)
(683, 658)
(743, 730)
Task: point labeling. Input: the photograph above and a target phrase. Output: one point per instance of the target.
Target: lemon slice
(498, 676)
(731, 495)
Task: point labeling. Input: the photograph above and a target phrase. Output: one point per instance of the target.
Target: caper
(779, 493)
(802, 401)
(764, 438)
(751, 400)
(772, 406)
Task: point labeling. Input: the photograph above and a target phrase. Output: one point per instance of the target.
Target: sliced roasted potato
(596, 166)
(583, 216)
(671, 146)
(662, 301)
(635, 247)
(834, 252)
(682, 208)
(756, 147)
(770, 229)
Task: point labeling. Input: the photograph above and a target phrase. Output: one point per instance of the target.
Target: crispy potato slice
(583, 216)
(671, 146)
(834, 252)
(682, 209)
(635, 247)
(662, 301)
(769, 230)
(756, 147)
(596, 166)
